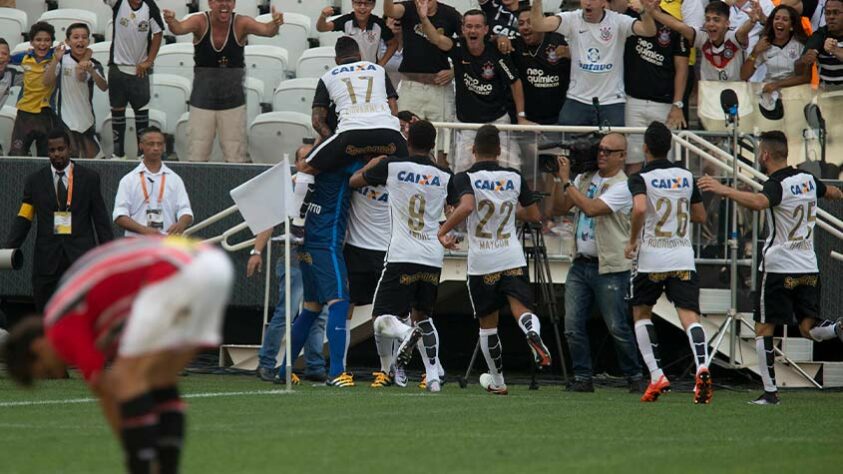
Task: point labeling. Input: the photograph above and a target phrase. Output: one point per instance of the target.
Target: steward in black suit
(66, 200)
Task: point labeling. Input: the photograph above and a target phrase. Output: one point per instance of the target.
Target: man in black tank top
(218, 101)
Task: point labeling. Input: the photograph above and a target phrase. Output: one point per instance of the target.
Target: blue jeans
(577, 113)
(275, 329)
(583, 288)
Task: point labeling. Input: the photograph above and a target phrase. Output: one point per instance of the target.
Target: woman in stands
(780, 45)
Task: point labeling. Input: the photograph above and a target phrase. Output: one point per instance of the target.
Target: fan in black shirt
(543, 61)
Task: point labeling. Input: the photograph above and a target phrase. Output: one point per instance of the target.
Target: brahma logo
(353, 68)
(802, 188)
(671, 183)
(418, 178)
(489, 185)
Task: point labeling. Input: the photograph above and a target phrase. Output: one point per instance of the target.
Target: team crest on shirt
(124, 22)
(664, 36)
(550, 54)
(143, 26)
(606, 33)
(488, 71)
(728, 53)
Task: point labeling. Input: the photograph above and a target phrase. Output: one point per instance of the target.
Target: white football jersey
(791, 219)
(369, 219)
(665, 243)
(132, 30)
(74, 99)
(417, 191)
(361, 93)
(597, 51)
(493, 244)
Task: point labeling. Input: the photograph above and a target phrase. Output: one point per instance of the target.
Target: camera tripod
(535, 251)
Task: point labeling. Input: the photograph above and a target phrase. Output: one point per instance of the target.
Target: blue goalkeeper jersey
(327, 216)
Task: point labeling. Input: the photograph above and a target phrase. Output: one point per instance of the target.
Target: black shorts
(364, 270)
(31, 128)
(406, 286)
(682, 289)
(127, 89)
(85, 144)
(780, 297)
(488, 293)
(339, 149)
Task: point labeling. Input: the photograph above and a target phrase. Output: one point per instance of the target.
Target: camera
(581, 150)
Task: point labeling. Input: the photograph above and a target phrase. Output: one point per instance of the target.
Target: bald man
(600, 273)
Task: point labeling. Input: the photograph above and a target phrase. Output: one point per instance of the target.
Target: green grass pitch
(245, 426)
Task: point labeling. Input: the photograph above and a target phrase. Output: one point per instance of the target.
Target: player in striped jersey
(488, 195)
(146, 305)
(790, 279)
(665, 202)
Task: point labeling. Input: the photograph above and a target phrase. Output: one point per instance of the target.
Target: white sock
(303, 180)
(529, 322)
(384, 345)
(389, 325)
(766, 361)
(699, 346)
(823, 331)
(490, 344)
(649, 349)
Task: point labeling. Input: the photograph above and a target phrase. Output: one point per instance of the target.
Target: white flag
(264, 199)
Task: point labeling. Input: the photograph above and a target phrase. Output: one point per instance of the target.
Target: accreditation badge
(155, 219)
(62, 223)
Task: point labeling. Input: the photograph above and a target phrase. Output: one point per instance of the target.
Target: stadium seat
(102, 107)
(315, 62)
(13, 23)
(33, 9)
(103, 12)
(183, 145)
(61, 19)
(309, 8)
(156, 118)
(378, 10)
(329, 38)
(292, 35)
(109, 30)
(21, 47)
(273, 134)
(175, 59)
(267, 63)
(102, 51)
(243, 7)
(254, 98)
(7, 122)
(170, 94)
(179, 7)
(295, 95)
(552, 6)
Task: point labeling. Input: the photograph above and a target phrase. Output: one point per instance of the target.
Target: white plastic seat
(102, 11)
(33, 9)
(21, 47)
(273, 134)
(102, 108)
(254, 89)
(176, 58)
(102, 51)
(62, 18)
(109, 30)
(462, 6)
(267, 63)
(378, 10)
(242, 7)
(13, 23)
(188, 38)
(295, 95)
(178, 6)
(329, 38)
(182, 140)
(292, 35)
(7, 123)
(156, 118)
(170, 94)
(315, 62)
(309, 8)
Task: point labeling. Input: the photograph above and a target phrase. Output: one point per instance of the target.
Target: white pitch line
(71, 401)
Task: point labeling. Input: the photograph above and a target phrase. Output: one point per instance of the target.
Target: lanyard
(160, 191)
(69, 174)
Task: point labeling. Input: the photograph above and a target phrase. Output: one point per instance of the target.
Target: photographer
(600, 272)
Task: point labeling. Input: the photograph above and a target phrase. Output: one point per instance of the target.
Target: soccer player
(417, 190)
(365, 103)
(665, 201)
(144, 305)
(790, 279)
(488, 195)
